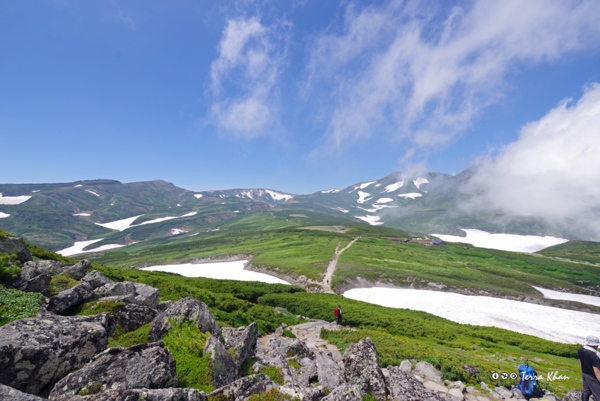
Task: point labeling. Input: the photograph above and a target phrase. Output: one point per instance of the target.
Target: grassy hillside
(583, 251)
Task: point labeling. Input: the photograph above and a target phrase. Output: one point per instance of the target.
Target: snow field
(372, 220)
(411, 195)
(384, 200)
(419, 181)
(542, 321)
(219, 270)
(340, 209)
(77, 248)
(176, 231)
(4, 215)
(278, 196)
(393, 187)
(197, 196)
(503, 242)
(331, 191)
(83, 214)
(362, 197)
(13, 200)
(92, 192)
(124, 224)
(565, 296)
(366, 184)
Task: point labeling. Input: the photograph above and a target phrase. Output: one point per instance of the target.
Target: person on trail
(590, 368)
(338, 315)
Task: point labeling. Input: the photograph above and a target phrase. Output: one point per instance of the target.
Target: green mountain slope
(581, 251)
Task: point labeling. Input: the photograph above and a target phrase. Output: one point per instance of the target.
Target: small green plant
(61, 282)
(272, 395)
(15, 304)
(368, 397)
(8, 268)
(294, 363)
(97, 307)
(275, 373)
(93, 389)
(289, 334)
(247, 367)
(139, 336)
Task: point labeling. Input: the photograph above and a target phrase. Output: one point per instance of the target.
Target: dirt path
(332, 265)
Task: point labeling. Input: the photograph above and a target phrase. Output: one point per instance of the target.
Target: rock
(163, 306)
(456, 394)
(184, 310)
(129, 298)
(362, 368)
(433, 386)
(131, 317)
(345, 392)
(550, 396)
(314, 393)
(115, 289)
(406, 366)
(473, 370)
(34, 269)
(245, 346)
(13, 245)
(78, 270)
(96, 279)
(141, 366)
(240, 388)
(279, 331)
(404, 387)
(146, 295)
(518, 395)
(296, 347)
(486, 387)
(470, 389)
(328, 371)
(36, 352)
(73, 296)
(307, 373)
(503, 391)
(162, 394)
(225, 369)
(575, 395)
(428, 372)
(9, 393)
(37, 284)
(458, 385)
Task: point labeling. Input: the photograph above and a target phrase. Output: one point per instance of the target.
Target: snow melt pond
(219, 270)
(542, 321)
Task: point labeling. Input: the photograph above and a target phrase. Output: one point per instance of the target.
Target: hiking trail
(326, 284)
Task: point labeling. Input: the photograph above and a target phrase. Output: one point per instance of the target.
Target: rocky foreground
(62, 358)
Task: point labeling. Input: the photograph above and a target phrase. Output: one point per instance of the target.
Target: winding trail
(326, 284)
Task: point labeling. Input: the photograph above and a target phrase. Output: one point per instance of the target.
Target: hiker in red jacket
(338, 315)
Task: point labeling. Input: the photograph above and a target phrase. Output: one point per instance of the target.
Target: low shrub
(139, 336)
(289, 334)
(15, 304)
(8, 266)
(272, 395)
(97, 307)
(61, 282)
(275, 373)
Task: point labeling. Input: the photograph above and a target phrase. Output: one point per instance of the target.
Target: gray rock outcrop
(243, 388)
(329, 373)
(575, 395)
(78, 270)
(245, 346)
(428, 372)
(184, 310)
(163, 394)
(346, 392)
(73, 296)
(96, 279)
(34, 269)
(406, 366)
(116, 289)
(36, 352)
(9, 393)
(404, 387)
(131, 317)
(141, 294)
(13, 245)
(141, 366)
(37, 284)
(146, 295)
(362, 368)
(225, 369)
(163, 306)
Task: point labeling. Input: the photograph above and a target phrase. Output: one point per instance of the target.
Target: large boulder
(329, 373)
(39, 284)
(244, 346)
(141, 366)
(36, 352)
(116, 289)
(79, 269)
(161, 394)
(575, 395)
(73, 296)
(403, 387)
(96, 279)
(142, 294)
(131, 317)
(34, 269)
(184, 310)
(146, 295)
(241, 388)
(428, 372)
(225, 369)
(297, 348)
(346, 392)
(9, 393)
(362, 368)
(17, 246)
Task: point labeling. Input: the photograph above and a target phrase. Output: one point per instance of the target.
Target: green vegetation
(580, 251)
(8, 266)
(61, 282)
(271, 395)
(97, 307)
(89, 390)
(44, 254)
(247, 367)
(15, 304)
(274, 373)
(289, 334)
(186, 342)
(294, 363)
(139, 336)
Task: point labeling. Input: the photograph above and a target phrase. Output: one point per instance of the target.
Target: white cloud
(410, 71)
(244, 78)
(552, 171)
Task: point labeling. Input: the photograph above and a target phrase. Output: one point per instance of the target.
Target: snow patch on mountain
(197, 196)
(279, 196)
(503, 242)
(372, 220)
(362, 197)
(175, 231)
(124, 224)
(411, 195)
(340, 209)
(82, 214)
(13, 200)
(420, 181)
(4, 215)
(366, 184)
(393, 187)
(331, 191)
(77, 248)
(384, 200)
(77, 186)
(565, 296)
(92, 192)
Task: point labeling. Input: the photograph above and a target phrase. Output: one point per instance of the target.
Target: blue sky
(297, 95)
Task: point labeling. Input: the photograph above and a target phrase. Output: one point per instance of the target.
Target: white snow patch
(411, 195)
(198, 196)
(419, 181)
(372, 220)
(565, 296)
(366, 184)
(278, 196)
(77, 186)
(37, 190)
(120, 225)
(361, 197)
(92, 192)
(77, 248)
(393, 187)
(236, 211)
(112, 204)
(384, 200)
(13, 200)
(340, 209)
(538, 320)
(504, 242)
(4, 215)
(331, 191)
(82, 214)
(178, 205)
(175, 231)
(377, 185)
(219, 270)
(158, 220)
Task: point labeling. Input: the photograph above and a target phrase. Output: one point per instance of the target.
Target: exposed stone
(162, 394)
(295, 347)
(36, 352)
(13, 245)
(458, 385)
(575, 395)
(308, 372)
(163, 306)
(550, 396)
(73, 296)
(279, 331)
(473, 370)
(456, 394)
(328, 371)
(141, 366)
(79, 269)
(240, 388)
(433, 386)
(129, 298)
(406, 366)
(503, 391)
(313, 393)
(245, 346)
(9, 393)
(428, 372)
(115, 289)
(404, 387)
(37, 284)
(146, 295)
(131, 317)
(96, 279)
(184, 310)
(225, 370)
(49, 267)
(362, 368)
(345, 392)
